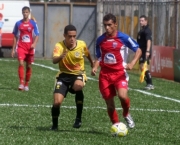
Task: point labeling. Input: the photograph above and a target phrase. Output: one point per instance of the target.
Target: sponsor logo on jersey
(110, 39)
(109, 58)
(124, 83)
(114, 44)
(77, 54)
(25, 38)
(29, 29)
(25, 25)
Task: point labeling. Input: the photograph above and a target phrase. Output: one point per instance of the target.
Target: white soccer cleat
(149, 87)
(129, 121)
(21, 87)
(26, 88)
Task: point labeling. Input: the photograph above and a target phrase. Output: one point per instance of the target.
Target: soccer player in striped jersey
(26, 35)
(112, 52)
(69, 54)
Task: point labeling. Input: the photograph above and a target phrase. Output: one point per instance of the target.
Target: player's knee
(58, 99)
(57, 104)
(78, 87)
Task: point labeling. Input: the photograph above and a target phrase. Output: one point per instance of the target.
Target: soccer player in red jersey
(26, 35)
(111, 52)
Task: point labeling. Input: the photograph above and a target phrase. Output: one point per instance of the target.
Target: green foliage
(26, 118)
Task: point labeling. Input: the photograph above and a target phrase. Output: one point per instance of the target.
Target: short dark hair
(69, 28)
(25, 8)
(143, 16)
(109, 16)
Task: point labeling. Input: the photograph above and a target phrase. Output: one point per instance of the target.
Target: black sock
(148, 77)
(55, 111)
(79, 98)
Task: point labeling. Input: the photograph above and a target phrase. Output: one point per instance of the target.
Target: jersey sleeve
(128, 41)
(86, 51)
(97, 47)
(1, 24)
(148, 34)
(36, 30)
(15, 29)
(58, 50)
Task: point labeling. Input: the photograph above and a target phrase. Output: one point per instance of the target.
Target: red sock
(21, 74)
(28, 75)
(125, 105)
(113, 116)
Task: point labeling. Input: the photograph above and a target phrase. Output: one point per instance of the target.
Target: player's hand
(63, 54)
(93, 71)
(129, 66)
(147, 55)
(33, 46)
(12, 53)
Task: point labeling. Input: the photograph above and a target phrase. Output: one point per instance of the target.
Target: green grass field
(25, 117)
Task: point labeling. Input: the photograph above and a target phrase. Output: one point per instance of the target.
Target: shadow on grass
(7, 89)
(44, 129)
(90, 131)
(19, 127)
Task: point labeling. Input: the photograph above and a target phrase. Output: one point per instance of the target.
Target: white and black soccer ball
(119, 129)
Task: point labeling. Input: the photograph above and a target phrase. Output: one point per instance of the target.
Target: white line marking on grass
(141, 91)
(155, 95)
(73, 107)
(51, 68)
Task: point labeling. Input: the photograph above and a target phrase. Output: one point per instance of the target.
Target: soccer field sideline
(73, 107)
(137, 90)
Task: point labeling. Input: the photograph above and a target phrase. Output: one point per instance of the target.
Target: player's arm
(90, 59)
(36, 32)
(134, 60)
(133, 45)
(97, 60)
(58, 54)
(88, 55)
(148, 41)
(15, 33)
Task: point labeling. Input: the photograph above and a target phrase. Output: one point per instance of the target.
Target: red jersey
(112, 52)
(25, 31)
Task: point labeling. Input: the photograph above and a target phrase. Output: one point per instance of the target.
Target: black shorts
(142, 59)
(64, 83)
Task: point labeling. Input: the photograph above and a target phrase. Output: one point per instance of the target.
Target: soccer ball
(119, 129)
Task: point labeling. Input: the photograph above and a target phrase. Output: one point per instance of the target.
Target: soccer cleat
(21, 87)
(54, 128)
(149, 87)
(77, 123)
(129, 121)
(26, 88)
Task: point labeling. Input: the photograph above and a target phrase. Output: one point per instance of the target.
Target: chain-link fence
(163, 17)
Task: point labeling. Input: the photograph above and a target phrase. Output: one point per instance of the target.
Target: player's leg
(29, 60)
(21, 57)
(108, 92)
(112, 113)
(122, 89)
(55, 110)
(28, 76)
(79, 99)
(60, 92)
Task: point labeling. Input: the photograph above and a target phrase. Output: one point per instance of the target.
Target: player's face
(26, 13)
(110, 27)
(143, 22)
(70, 38)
